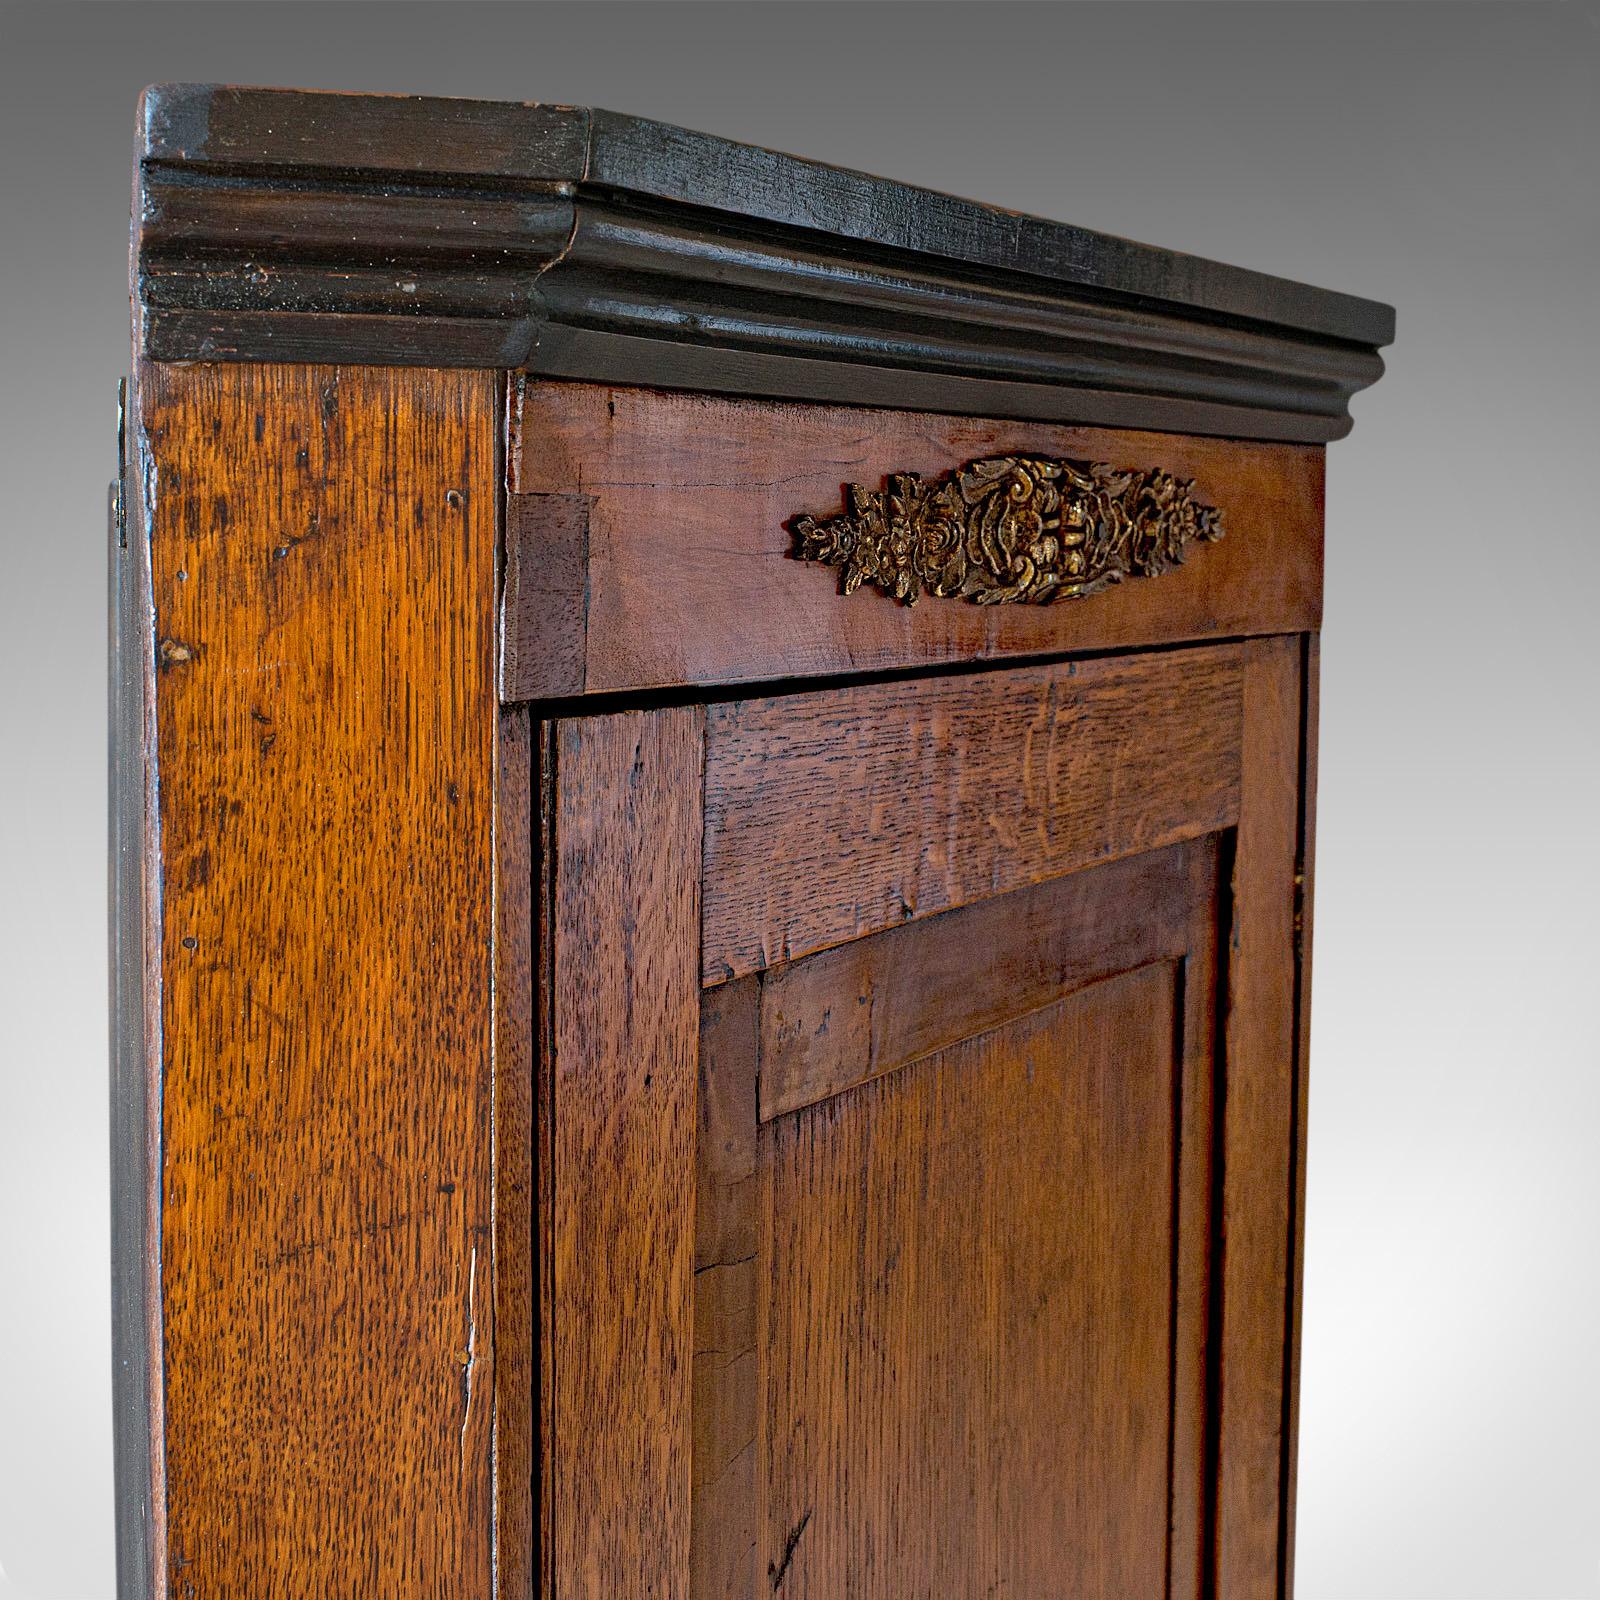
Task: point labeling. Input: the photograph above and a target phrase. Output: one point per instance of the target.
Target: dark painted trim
(129, 1087)
(279, 225)
(625, 359)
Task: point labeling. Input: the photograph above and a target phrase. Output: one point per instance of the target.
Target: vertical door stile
(625, 998)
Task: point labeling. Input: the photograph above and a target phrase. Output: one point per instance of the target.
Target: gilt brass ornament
(1010, 529)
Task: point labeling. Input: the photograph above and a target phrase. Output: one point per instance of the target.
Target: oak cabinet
(713, 843)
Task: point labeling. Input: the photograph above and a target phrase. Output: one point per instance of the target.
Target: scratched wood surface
(839, 813)
(676, 508)
(322, 552)
(623, 929)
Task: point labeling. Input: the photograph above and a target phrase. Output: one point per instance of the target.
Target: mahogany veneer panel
(648, 542)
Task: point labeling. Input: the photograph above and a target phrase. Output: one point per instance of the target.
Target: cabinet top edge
(261, 216)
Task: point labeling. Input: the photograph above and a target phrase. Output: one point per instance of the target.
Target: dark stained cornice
(289, 226)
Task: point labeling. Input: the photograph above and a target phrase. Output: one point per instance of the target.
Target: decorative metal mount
(1010, 529)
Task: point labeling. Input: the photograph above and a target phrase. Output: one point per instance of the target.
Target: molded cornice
(285, 226)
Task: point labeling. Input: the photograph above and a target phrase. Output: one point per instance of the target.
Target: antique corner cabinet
(713, 830)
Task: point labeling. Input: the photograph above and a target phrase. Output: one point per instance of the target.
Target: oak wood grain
(322, 550)
(624, 929)
(967, 1314)
(947, 993)
(1258, 1132)
(728, 1226)
(468, 1187)
(840, 813)
(840, 1017)
(690, 576)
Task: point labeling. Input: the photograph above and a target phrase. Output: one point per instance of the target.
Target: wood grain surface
(869, 1277)
(840, 813)
(516, 1044)
(625, 1015)
(689, 571)
(727, 1358)
(842, 1142)
(1305, 881)
(545, 743)
(966, 1306)
(845, 1015)
(322, 548)
(1259, 1132)
(138, 1399)
(545, 602)
(1195, 1223)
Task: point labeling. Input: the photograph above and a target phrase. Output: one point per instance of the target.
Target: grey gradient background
(1439, 157)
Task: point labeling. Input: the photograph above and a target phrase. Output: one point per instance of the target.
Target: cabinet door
(920, 1119)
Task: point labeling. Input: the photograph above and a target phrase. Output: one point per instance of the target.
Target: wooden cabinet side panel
(624, 929)
(322, 552)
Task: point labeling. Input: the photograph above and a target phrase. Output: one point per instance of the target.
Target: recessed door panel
(951, 1302)
(967, 1308)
